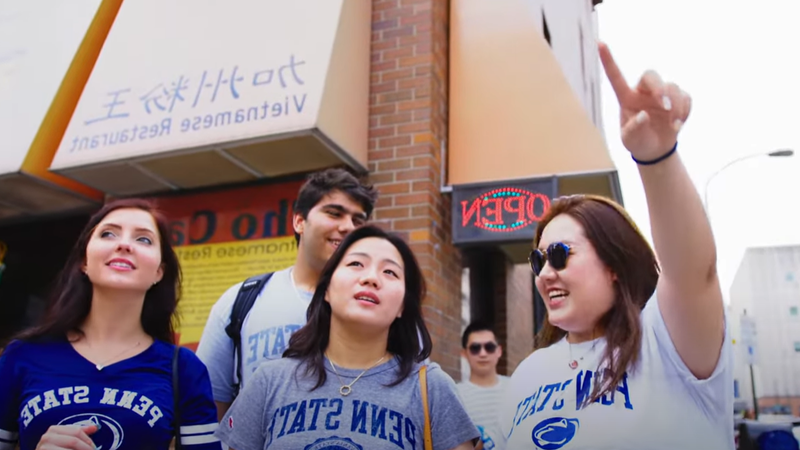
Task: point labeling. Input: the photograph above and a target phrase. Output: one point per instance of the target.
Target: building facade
(765, 301)
(469, 116)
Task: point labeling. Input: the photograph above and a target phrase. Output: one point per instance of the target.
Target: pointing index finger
(615, 77)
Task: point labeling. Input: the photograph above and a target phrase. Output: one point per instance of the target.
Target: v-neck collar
(110, 367)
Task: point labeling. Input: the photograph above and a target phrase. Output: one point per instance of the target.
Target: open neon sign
(504, 210)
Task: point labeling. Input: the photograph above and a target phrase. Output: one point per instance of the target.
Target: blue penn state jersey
(49, 383)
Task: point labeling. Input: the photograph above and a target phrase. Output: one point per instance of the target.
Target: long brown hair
(71, 298)
(623, 249)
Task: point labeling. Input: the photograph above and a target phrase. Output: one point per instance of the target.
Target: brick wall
(508, 304)
(499, 270)
(519, 322)
(408, 123)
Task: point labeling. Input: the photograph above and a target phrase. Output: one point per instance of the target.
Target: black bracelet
(659, 159)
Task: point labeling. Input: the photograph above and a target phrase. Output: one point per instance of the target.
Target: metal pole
(753, 388)
(777, 153)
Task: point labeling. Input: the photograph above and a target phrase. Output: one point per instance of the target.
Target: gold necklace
(574, 363)
(101, 365)
(346, 389)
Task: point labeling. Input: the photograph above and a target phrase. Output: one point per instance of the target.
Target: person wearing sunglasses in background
(634, 352)
(483, 392)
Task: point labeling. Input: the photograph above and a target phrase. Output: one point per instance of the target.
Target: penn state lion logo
(334, 443)
(554, 433)
(109, 434)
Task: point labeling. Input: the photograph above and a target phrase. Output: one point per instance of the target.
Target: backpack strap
(176, 398)
(241, 307)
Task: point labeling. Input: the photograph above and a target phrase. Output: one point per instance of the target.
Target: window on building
(793, 310)
(797, 346)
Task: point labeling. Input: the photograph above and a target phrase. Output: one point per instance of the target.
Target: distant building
(766, 289)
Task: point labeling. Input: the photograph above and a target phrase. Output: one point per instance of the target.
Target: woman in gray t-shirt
(350, 378)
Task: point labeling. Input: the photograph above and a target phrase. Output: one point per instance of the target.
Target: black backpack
(244, 302)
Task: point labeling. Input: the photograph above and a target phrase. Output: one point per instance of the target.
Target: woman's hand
(67, 437)
(651, 114)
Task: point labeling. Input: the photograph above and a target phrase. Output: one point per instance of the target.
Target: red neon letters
(504, 210)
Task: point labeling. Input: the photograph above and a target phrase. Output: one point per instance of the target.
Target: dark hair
(310, 342)
(320, 184)
(622, 249)
(474, 327)
(71, 298)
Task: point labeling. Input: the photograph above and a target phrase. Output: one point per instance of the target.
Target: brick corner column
(519, 323)
(408, 123)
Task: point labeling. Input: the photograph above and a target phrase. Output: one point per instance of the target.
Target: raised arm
(688, 289)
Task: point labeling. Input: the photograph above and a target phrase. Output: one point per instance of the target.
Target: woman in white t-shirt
(631, 355)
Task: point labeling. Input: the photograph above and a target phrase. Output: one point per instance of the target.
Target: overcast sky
(740, 62)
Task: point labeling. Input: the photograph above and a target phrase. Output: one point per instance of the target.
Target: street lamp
(783, 153)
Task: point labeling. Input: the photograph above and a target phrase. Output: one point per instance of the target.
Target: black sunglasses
(475, 349)
(556, 254)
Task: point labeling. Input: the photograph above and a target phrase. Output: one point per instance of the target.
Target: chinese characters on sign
(185, 93)
(110, 106)
(164, 96)
(170, 96)
(259, 77)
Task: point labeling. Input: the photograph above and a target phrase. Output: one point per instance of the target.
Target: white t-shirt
(483, 406)
(279, 311)
(660, 405)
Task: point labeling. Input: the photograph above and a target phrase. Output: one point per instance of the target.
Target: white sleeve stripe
(8, 435)
(199, 429)
(199, 439)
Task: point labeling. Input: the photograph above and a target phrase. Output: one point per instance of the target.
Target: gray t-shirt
(278, 410)
(279, 311)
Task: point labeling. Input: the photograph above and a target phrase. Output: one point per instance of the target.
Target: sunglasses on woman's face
(556, 254)
(475, 348)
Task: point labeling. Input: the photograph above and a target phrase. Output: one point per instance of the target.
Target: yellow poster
(210, 269)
